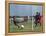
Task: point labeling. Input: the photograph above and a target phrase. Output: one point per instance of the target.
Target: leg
(16, 24)
(35, 24)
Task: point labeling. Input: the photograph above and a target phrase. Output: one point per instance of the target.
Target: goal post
(32, 24)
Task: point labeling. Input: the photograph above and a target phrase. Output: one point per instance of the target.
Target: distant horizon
(24, 10)
(31, 16)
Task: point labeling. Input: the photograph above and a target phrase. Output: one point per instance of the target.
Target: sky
(24, 10)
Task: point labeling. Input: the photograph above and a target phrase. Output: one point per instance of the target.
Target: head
(13, 17)
(37, 13)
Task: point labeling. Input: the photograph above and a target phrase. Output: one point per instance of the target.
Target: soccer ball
(22, 26)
